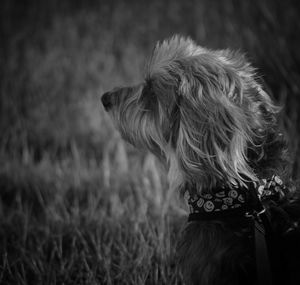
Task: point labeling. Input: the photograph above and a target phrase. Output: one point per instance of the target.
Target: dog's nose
(106, 100)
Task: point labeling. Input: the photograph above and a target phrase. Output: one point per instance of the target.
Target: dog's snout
(107, 100)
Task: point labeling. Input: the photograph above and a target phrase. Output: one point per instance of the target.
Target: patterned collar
(234, 197)
(272, 189)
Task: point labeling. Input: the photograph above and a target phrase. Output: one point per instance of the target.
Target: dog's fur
(206, 114)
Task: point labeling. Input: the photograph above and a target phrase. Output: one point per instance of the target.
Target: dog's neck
(233, 196)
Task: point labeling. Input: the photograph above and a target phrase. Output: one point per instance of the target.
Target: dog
(206, 114)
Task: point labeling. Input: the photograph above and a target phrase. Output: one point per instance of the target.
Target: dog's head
(202, 111)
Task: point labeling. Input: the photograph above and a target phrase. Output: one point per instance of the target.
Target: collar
(233, 200)
(271, 189)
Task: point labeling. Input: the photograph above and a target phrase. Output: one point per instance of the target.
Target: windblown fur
(207, 115)
(205, 112)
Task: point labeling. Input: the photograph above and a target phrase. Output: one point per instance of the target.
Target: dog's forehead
(172, 50)
(178, 47)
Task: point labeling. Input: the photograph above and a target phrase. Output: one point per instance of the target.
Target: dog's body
(205, 113)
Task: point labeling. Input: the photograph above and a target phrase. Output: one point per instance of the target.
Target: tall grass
(77, 204)
(72, 222)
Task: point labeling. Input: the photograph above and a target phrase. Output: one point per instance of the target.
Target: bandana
(272, 189)
(233, 197)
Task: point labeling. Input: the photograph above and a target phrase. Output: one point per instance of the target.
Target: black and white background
(77, 204)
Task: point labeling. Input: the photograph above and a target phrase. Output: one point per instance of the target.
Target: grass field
(77, 204)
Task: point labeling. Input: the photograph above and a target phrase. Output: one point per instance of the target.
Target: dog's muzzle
(107, 100)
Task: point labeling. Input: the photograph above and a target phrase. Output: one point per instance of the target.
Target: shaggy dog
(206, 114)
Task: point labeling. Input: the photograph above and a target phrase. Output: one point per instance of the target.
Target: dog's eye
(174, 125)
(148, 98)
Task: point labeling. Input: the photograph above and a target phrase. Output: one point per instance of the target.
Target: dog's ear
(216, 127)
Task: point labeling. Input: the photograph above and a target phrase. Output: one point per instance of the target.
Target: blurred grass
(77, 204)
